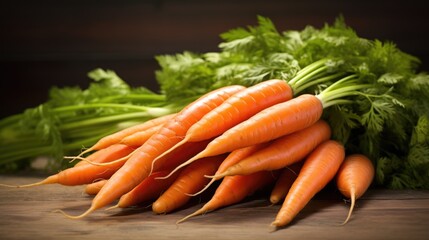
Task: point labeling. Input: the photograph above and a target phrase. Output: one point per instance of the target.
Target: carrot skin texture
(354, 178)
(283, 151)
(284, 182)
(191, 179)
(318, 169)
(239, 108)
(149, 189)
(138, 166)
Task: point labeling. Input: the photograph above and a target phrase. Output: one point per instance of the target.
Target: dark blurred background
(46, 43)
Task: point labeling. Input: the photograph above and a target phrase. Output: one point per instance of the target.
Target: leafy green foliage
(74, 118)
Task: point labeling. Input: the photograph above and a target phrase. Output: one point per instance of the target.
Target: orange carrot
(94, 188)
(234, 189)
(283, 151)
(180, 154)
(233, 158)
(318, 169)
(354, 177)
(118, 136)
(190, 179)
(138, 138)
(239, 108)
(284, 182)
(149, 189)
(138, 166)
(270, 123)
(99, 156)
(152, 186)
(88, 173)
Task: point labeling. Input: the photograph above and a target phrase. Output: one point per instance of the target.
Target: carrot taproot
(273, 122)
(119, 135)
(234, 189)
(284, 182)
(88, 173)
(238, 108)
(282, 151)
(232, 158)
(138, 166)
(94, 188)
(191, 179)
(318, 169)
(354, 178)
(149, 189)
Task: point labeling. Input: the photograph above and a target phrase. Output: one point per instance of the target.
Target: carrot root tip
(168, 175)
(198, 212)
(73, 158)
(273, 227)
(353, 200)
(276, 225)
(80, 154)
(9, 185)
(90, 210)
(112, 207)
(217, 176)
(202, 190)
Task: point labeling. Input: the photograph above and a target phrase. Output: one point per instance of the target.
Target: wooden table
(381, 214)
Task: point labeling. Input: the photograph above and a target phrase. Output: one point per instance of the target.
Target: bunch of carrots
(247, 138)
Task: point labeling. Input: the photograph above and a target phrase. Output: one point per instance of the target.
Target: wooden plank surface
(380, 214)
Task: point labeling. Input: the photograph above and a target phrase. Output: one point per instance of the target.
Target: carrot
(238, 108)
(284, 182)
(88, 173)
(152, 185)
(233, 158)
(99, 156)
(138, 138)
(180, 154)
(94, 188)
(318, 169)
(149, 189)
(354, 177)
(118, 136)
(138, 166)
(190, 179)
(282, 151)
(270, 123)
(234, 189)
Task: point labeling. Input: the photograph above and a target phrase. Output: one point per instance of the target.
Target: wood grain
(380, 214)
